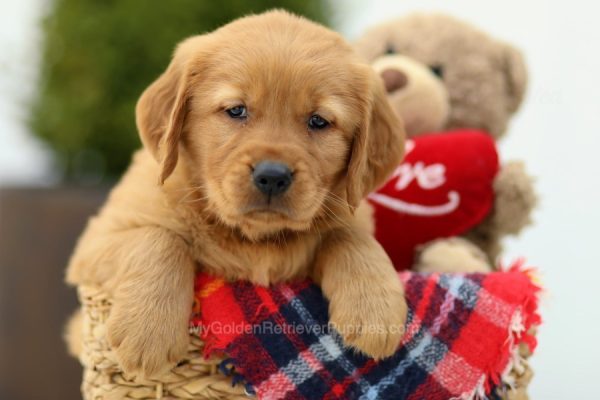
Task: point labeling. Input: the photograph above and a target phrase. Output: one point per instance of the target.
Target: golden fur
(149, 238)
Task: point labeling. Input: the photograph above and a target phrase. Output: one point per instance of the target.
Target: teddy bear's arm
(451, 255)
(515, 199)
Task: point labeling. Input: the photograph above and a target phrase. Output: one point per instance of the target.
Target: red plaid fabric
(461, 335)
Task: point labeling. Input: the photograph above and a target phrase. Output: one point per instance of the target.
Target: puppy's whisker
(340, 221)
(335, 217)
(336, 200)
(191, 191)
(197, 200)
(334, 197)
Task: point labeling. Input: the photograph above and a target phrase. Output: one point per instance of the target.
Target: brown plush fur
(482, 85)
(485, 78)
(188, 201)
(423, 102)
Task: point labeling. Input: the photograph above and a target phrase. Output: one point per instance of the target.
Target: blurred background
(71, 72)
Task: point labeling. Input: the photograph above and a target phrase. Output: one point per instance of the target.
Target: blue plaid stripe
(329, 344)
(463, 288)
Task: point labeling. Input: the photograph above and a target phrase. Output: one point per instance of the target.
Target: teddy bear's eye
(437, 70)
(390, 49)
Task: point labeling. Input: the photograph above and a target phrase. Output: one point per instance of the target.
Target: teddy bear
(442, 74)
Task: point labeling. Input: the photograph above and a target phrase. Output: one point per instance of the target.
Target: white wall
(558, 133)
(23, 159)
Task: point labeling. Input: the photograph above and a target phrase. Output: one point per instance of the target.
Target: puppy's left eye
(316, 122)
(238, 112)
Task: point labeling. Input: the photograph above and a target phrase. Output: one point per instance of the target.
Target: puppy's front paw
(372, 323)
(147, 342)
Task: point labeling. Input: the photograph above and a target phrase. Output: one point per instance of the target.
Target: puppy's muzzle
(272, 178)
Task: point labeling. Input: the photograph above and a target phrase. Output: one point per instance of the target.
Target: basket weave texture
(194, 378)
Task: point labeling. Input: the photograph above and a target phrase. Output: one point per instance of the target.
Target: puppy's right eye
(238, 112)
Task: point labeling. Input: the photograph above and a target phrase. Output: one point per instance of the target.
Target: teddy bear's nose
(393, 79)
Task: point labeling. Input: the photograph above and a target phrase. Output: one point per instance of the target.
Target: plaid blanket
(462, 335)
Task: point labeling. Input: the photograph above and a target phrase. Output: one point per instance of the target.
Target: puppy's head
(275, 119)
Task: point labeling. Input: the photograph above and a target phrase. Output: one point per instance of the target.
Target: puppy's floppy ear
(161, 110)
(516, 76)
(378, 144)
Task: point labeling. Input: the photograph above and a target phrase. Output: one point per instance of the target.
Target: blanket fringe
(524, 319)
(511, 361)
(227, 368)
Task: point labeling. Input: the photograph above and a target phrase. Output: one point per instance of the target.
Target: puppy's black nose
(272, 178)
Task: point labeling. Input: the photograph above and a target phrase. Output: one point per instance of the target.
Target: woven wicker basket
(194, 378)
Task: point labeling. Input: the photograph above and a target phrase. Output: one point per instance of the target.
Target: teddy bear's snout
(394, 79)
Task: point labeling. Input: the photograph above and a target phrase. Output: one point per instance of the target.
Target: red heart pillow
(443, 188)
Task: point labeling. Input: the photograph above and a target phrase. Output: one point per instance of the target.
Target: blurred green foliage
(99, 55)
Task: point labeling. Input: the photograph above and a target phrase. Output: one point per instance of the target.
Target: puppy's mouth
(262, 221)
(266, 210)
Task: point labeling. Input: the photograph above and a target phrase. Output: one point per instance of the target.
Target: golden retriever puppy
(260, 141)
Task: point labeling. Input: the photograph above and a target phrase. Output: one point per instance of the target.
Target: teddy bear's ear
(516, 76)
(372, 43)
